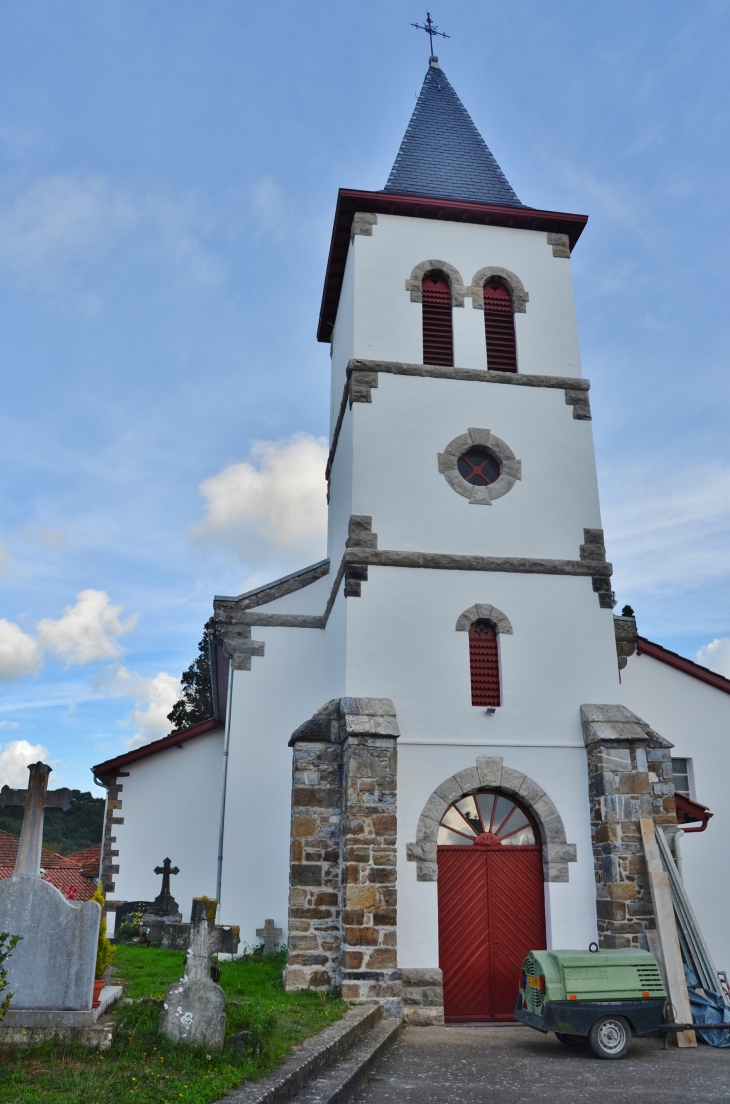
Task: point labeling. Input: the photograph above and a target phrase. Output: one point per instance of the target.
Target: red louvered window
(438, 337)
(499, 323)
(484, 661)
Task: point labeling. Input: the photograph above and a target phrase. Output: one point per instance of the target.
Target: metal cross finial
(430, 28)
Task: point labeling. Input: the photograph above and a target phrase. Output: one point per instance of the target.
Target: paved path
(515, 1065)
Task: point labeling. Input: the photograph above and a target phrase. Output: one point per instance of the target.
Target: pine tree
(195, 703)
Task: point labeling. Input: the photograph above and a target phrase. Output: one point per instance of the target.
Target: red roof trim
(689, 811)
(449, 210)
(646, 647)
(175, 740)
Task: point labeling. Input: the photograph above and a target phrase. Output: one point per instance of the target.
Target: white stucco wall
(397, 439)
(695, 717)
(170, 805)
(376, 313)
(283, 689)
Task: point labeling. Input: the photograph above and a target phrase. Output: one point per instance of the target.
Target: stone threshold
(313, 1070)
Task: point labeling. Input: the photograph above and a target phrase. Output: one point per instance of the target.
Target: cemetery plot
(146, 1066)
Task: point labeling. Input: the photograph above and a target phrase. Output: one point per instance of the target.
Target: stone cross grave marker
(53, 965)
(35, 800)
(165, 903)
(271, 936)
(193, 1010)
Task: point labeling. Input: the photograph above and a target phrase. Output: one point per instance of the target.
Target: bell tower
(436, 663)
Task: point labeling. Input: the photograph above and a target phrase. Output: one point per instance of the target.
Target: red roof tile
(64, 873)
(89, 860)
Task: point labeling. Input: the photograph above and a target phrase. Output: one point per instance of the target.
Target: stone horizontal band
(362, 376)
(447, 561)
(233, 625)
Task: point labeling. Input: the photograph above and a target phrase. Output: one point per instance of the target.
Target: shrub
(104, 949)
(7, 942)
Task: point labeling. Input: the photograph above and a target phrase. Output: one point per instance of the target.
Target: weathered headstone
(271, 936)
(53, 965)
(194, 1007)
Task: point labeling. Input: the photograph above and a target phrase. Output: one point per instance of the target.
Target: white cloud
(9, 724)
(87, 631)
(277, 496)
(716, 656)
(19, 652)
(667, 535)
(155, 698)
(68, 222)
(15, 758)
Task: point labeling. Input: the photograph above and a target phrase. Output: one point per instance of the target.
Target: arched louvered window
(484, 662)
(438, 336)
(499, 323)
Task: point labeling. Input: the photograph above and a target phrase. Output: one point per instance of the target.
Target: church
(430, 751)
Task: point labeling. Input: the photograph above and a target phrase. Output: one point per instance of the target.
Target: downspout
(226, 745)
(678, 853)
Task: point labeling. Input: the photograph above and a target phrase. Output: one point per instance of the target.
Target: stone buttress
(630, 777)
(342, 900)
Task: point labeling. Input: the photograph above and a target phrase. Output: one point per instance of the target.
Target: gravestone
(271, 936)
(194, 1008)
(53, 964)
(164, 909)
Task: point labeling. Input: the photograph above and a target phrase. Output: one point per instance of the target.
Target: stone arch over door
(491, 773)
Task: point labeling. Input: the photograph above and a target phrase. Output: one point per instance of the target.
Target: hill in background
(65, 833)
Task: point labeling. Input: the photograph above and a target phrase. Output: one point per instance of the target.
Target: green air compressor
(595, 997)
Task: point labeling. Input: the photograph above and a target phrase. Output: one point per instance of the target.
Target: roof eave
(176, 739)
(680, 663)
(449, 210)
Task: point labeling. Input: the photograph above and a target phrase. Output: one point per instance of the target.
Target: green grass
(144, 1065)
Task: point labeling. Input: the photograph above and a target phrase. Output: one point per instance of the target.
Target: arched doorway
(491, 903)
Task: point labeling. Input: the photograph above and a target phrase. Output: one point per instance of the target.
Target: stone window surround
(490, 773)
(510, 466)
(479, 612)
(459, 291)
(520, 297)
(415, 281)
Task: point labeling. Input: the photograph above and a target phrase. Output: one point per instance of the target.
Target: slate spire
(443, 155)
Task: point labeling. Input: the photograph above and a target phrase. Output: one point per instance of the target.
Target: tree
(195, 703)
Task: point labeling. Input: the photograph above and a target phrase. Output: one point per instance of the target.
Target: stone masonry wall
(342, 903)
(630, 777)
(314, 871)
(113, 809)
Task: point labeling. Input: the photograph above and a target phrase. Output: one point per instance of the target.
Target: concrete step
(310, 1059)
(345, 1077)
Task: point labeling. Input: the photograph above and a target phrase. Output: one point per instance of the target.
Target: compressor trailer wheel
(610, 1037)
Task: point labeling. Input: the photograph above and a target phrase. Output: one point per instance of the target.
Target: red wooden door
(491, 913)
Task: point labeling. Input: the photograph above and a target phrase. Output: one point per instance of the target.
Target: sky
(168, 174)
